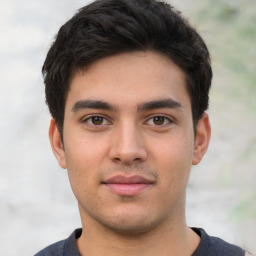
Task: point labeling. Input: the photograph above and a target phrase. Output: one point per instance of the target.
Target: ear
(203, 135)
(56, 143)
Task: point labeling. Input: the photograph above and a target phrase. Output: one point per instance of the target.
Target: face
(129, 142)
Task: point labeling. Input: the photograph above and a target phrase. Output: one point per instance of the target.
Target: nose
(127, 145)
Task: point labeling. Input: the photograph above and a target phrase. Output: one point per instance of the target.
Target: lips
(135, 179)
(127, 186)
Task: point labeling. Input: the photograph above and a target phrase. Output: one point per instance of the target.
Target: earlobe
(56, 144)
(202, 138)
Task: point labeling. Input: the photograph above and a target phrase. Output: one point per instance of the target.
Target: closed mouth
(127, 185)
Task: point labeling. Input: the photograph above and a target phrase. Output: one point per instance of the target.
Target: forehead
(129, 79)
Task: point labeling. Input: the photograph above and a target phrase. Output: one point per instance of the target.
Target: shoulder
(220, 247)
(55, 249)
(214, 246)
(65, 247)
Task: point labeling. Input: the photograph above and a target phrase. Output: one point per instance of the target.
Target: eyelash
(86, 120)
(165, 120)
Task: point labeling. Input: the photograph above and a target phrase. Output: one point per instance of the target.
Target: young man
(127, 85)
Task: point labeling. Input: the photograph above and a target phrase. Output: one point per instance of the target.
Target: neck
(169, 239)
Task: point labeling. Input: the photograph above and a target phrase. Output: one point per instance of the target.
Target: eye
(96, 120)
(159, 120)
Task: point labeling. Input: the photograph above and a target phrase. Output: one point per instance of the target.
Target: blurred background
(37, 206)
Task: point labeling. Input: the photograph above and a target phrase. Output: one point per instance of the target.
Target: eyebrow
(95, 104)
(98, 104)
(163, 103)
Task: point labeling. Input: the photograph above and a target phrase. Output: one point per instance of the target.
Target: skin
(130, 114)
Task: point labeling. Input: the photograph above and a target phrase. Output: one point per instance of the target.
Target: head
(111, 27)
(127, 85)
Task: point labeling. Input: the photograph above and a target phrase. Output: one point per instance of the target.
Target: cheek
(84, 151)
(173, 158)
(83, 158)
(174, 149)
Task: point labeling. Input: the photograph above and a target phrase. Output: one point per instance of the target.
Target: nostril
(117, 159)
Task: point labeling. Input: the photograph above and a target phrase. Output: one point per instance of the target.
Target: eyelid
(167, 118)
(88, 117)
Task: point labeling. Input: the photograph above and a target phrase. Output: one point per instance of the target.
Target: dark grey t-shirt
(209, 246)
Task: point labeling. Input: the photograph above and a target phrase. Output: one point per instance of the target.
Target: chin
(130, 230)
(131, 224)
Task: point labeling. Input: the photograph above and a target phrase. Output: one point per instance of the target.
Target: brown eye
(159, 120)
(97, 120)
